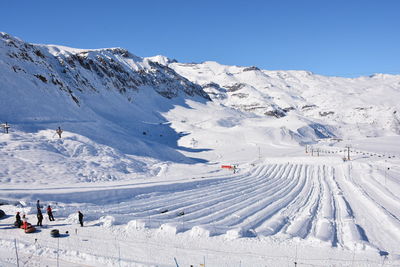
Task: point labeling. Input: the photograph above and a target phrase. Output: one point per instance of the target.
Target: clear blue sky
(329, 37)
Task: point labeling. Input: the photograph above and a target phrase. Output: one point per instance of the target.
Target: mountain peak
(162, 60)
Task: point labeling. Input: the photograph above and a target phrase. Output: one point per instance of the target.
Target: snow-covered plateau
(311, 171)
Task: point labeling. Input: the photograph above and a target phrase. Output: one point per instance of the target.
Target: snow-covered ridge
(77, 70)
(344, 107)
(367, 104)
(108, 95)
(163, 60)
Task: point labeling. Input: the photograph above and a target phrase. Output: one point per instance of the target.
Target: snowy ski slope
(320, 204)
(141, 157)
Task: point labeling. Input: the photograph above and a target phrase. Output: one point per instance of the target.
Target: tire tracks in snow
(308, 201)
(381, 227)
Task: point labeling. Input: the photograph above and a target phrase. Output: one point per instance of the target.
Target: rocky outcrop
(77, 70)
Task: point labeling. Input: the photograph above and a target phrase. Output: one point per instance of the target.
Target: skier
(80, 217)
(40, 218)
(50, 213)
(18, 221)
(59, 131)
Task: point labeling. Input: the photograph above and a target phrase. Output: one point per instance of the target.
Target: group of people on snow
(40, 214)
(23, 223)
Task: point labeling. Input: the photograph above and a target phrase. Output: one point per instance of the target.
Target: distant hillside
(358, 107)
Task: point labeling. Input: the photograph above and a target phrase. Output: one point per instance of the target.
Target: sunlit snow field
(283, 205)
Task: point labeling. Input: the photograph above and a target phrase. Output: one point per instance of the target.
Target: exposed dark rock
(11, 43)
(251, 68)
(235, 87)
(16, 68)
(75, 99)
(39, 54)
(308, 107)
(275, 113)
(326, 113)
(240, 95)
(24, 55)
(288, 109)
(249, 107)
(211, 85)
(41, 77)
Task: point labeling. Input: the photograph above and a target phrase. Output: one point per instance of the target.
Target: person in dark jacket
(6, 127)
(50, 213)
(59, 131)
(80, 217)
(40, 218)
(38, 205)
(18, 221)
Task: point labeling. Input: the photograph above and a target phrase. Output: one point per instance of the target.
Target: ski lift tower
(348, 152)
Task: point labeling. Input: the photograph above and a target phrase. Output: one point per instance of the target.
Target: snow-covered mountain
(141, 153)
(147, 106)
(108, 95)
(344, 107)
(49, 83)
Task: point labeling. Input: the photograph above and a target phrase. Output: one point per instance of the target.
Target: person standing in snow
(18, 221)
(40, 218)
(59, 131)
(50, 213)
(80, 217)
(235, 169)
(6, 127)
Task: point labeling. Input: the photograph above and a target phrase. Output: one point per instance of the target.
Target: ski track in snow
(335, 205)
(285, 200)
(383, 227)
